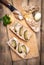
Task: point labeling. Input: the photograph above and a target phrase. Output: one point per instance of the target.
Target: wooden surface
(5, 57)
(32, 43)
(42, 35)
(5, 54)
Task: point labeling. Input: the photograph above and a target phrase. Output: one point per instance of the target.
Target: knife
(12, 8)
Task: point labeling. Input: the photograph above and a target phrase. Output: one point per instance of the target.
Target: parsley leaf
(6, 20)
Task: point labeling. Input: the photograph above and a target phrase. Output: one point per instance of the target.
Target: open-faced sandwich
(21, 31)
(32, 22)
(32, 17)
(20, 48)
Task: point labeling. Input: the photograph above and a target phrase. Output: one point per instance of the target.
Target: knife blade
(12, 8)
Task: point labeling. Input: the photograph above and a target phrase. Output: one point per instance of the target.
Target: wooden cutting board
(32, 43)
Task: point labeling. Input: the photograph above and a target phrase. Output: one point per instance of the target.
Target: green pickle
(19, 48)
(24, 48)
(15, 26)
(14, 44)
(20, 30)
(26, 35)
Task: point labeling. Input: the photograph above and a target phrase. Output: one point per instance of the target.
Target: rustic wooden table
(5, 54)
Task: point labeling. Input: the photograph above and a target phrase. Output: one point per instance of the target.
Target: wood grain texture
(42, 33)
(32, 43)
(33, 61)
(21, 62)
(5, 58)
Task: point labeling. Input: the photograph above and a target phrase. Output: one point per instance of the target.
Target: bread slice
(20, 46)
(19, 30)
(31, 22)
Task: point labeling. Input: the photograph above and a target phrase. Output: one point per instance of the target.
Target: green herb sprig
(6, 20)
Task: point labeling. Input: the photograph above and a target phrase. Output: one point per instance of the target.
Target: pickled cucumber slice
(26, 35)
(15, 26)
(20, 31)
(19, 48)
(24, 49)
(14, 44)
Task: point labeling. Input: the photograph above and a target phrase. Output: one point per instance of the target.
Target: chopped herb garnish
(6, 20)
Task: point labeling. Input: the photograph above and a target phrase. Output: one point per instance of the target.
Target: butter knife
(12, 8)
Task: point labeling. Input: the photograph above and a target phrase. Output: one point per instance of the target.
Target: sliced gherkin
(19, 48)
(15, 26)
(20, 30)
(26, 35)
(14, 44)
(24, 48)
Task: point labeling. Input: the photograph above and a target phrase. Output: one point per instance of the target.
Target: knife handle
(7, 4)
(12, 8)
